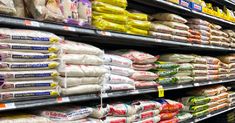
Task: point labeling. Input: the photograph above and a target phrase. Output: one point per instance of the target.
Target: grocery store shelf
(103, 36)
(12, 105)
(163, 4)
(229, 4)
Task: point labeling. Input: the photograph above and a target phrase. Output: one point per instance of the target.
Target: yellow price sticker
(160, 91)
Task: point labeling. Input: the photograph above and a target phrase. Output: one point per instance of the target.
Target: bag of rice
(118, 87)
(178, 58)
(138, 16)
(81, 59)
(100, 111)
(19, 66)
(170, 105)
(163, 36)
(169, 17)
(116, 60)
(144, 25)
(76, 81)
(165, 73)
(146, 115)
(174, 25)
(120, 3)
(137, 56)
(29, 94)
(116, 79)
(107, 25)
(81, 71)
(173, 120)
(107, 8)
(144, 67)
(160, 28)
(185, 66)
(184, 116)
(69, 47)
(65, 113)
(144, 75)
(119, 70)
(199, 66)
(145, 84)
(168, 116)
(201, 113)
(122, 109)
(165, 65)
(45, 10)
(192, 100)
(81, 89)
(197, 21)
(28, 85)
(146, 105)
(196, 108)
(181, 33)
(29, 47)
(169, 80)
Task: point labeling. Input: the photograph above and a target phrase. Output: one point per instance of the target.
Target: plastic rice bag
(120, 3)
(81, 89)
(7, 7)
(81, 71)
(140, 67)
(198, 21)
(145, 84)
(45, 10)
(27, 36)
(192, 100)
(20, 8)
(144, 75)
(145, 105)
(168, 116)
(160, 28)
(6, 66)
(65, 113)
(100, 111)
(119, 70)
(170, 105)
(178, 58)
(184, 116)
(144, 25)
(136, 56)
(181, 33)
(107, 8)
(174, 25)
(30, 94)
(115, 18)
(116, 79)
(161, 35)
(81, 59)
(169, 17)
(106, 25)
(122, 109)
(27, 85)
(69, 47)
(136, 31)
(75, 81)
(138, 16)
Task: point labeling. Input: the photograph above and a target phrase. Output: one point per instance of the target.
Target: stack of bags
(119, 73)
(138, 23)
(213, 66)
(200, 31)
(223, 70)
(231, 98)
(169, 110)
(29, 67)
(231, 37)
(230, 61)
(80, 68)
(109, 15)
(170, 27)
(142, 62)
(205, 100)
(218, 37)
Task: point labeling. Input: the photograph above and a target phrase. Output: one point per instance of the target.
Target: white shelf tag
(63, 99)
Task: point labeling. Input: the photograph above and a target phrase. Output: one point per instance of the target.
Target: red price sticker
(69, 28)
(31, 23)
(105, 33)
(63, 99)
(7, 106)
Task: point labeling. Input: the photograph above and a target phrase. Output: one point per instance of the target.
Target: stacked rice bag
(28, 64)
(76, 12)
(142, 62)
(170, 27)
(81, 68)
(109, 15)
(213, 68)
(218, 37)
(70, 113)
(120, 71)
(231, 37)
(230, 61)
(231, 98)
(205, 100)
(223, 70)
(48, 10)
(200, 31)
(169, 110)
(138, 23)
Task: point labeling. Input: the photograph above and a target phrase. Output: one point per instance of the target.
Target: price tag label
(160, 91)
(196, 84)
(69, 28)
(7, 106)
(180, 86)
(104, 33)
(63, 99)
(158, 40)
(209, 82)
(31, 23)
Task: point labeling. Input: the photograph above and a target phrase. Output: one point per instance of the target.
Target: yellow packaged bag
(120, 19)
(138, 16)
(143, 25)
(119, 3)
(107, 8)
(106, 25)
(136, 31)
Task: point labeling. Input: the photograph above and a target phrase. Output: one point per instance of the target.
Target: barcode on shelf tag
(160, 91)
(196, 84)
(63, 99)
(104, 33)
(69, 28)
(180, 86)
(7, 106)
(31, 23)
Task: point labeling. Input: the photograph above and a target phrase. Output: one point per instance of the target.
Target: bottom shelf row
(195, 106)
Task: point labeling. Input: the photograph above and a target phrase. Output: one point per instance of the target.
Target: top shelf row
(173, 40)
